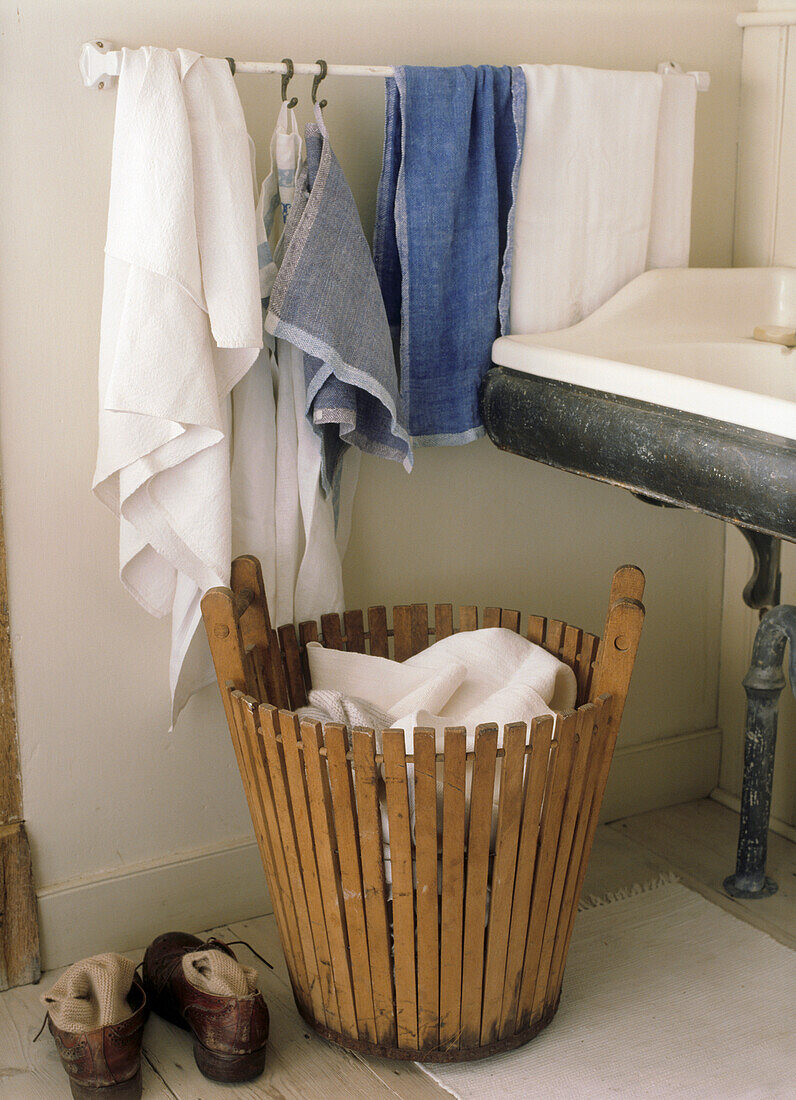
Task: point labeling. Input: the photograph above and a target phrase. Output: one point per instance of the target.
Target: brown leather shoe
(105, 1064)
(229, 1032)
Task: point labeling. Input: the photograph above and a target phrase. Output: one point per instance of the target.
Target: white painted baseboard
(724, 798)
(654, 774)
(125, 909)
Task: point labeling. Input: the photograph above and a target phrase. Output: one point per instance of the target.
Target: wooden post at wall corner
(19, 926)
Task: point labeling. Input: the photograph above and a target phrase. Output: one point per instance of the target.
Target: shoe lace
(213, 942)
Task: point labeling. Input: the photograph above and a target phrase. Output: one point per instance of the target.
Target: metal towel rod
(100, 61)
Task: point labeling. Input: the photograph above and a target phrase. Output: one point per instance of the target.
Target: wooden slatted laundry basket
(428, 973)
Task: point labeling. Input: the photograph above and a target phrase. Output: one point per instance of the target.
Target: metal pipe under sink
(763, 684)
(673, 458)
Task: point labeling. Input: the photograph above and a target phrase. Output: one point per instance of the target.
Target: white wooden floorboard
(616, 864)
(696, 840)
(32, 1071)
(402, 1079)
(299, 1065)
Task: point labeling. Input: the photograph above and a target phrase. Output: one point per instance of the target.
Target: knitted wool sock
(91, 993)
(218, 973)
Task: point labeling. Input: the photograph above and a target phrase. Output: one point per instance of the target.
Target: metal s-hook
(286, 78)
(316, 81)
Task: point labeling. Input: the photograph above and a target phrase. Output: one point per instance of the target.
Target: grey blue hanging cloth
(326, 301)
(442, 241)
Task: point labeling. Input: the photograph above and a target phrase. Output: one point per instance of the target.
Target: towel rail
(100, 63)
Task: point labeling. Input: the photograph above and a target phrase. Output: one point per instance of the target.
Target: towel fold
(442, 239)
(326, 301)
(181, 325)
(604, 189)
(469, 679)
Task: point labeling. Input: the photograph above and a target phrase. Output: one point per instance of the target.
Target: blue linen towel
(442, 240)
(326, 301)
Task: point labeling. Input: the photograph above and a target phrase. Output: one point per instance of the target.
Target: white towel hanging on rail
(181, 325)
(669, 242)
(604, 189)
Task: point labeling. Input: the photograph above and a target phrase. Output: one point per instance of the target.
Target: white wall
(114, 802)
(765, 234)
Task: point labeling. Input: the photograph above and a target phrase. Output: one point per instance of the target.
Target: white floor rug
(665, 995)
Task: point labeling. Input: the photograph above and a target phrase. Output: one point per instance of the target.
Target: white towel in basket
(469, 679)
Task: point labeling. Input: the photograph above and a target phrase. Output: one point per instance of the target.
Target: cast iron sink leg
(763, 684)
(762, 588)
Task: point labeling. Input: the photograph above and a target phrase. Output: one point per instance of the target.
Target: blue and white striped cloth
(326, 301)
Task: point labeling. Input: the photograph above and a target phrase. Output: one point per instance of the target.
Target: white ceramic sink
(681, 338)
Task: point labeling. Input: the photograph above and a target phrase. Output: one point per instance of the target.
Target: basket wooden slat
(584, 663)
(255, 626)
(354, 631)
(287, 835)
(403, 894)
(610, 680)
(463, 952)
(508, 831)
(615, 660)
(272, 857)
(294, 673)
(536, 629)
(475, 907)
(402, 632)
(584, 834)
(239, 742)
(510, 620)
(443, 620)
(308, 632)
(427, 896)
(377, 626)
(257, 657)
(328, 873)
(453, 825)
(563, 848)
(257, 787)
(573, 637)
(595, 728)
(274, 853)
(372, 856)
(419, 627)
(552, 812)
(340, 781)
(468, 618)
(294, 765)
(626, 583)
(535, 779)
(554, 636)
(332, 631)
